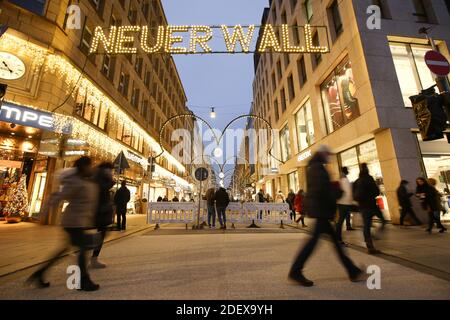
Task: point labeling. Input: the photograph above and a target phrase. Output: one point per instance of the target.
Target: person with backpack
(365, 192)
(320, 203)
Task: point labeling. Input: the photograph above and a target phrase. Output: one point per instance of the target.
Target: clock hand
(4, 63)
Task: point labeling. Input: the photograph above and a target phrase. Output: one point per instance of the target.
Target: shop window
(293, 181)
(119, 133)
(305, 126)
(91, 109)
(338, 97)
(412, 72)
(285, 144)
(127, 135)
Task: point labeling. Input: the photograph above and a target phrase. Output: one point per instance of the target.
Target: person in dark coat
(121, 198)
(404, 200)
(105, 211)
(210, 200)
(290, 199)
(222, 201)
(160, 199)
(431, 202)
(365, 192)
(320, 204)
(261, 199)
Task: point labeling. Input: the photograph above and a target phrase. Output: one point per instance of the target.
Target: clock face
(11, 67)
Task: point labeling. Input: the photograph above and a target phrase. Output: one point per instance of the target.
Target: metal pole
(442, 82)
(199, 204)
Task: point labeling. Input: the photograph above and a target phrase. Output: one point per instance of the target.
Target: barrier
(248, 212)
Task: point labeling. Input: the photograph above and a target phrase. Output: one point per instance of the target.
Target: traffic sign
(121, 163)
(201, 174)
(437, 63)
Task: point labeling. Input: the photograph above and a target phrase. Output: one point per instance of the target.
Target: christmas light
(123, 39)
(286, 41)
(238, 35)
(309, 42)
(160, 38)
(108, 42)
(269, 40)
(171, 39)
(202, 41)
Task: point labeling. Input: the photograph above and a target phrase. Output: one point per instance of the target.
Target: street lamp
(213, 113)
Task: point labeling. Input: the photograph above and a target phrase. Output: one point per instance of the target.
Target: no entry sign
(437, 63)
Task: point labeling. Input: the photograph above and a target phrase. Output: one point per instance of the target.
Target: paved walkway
(26, 244)
(180, 264)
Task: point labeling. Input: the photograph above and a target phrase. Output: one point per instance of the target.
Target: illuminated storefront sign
(200, 39)
(21, 115)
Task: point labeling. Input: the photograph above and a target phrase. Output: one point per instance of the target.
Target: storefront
(365, 153)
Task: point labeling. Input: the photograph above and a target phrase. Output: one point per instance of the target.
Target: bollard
(281, 225)
(253, 225)
(157, 226)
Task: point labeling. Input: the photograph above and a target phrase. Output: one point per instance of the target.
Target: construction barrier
(248, 212)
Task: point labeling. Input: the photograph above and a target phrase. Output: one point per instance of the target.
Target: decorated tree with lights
(18, 201)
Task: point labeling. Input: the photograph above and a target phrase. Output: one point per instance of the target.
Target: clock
(11, 67)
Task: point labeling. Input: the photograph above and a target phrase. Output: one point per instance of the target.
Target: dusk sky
(222, 81)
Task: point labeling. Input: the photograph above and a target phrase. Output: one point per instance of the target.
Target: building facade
(354, 98)
(62, 102)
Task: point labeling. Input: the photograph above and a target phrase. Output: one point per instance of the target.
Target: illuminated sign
(29, 117)
(200, 39)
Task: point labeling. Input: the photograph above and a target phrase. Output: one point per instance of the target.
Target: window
(138, 66)
(293, 181)
(308, 10)
(145, 8)
(274, 82)
(122, 3)
(287, 61)
(304, 126)
(291, 88)
(275, 107)
(86, 39)
(338, 97)
(123, 84)
(283, 100)
(108, 66)
(98, 6)
(293, 5)
(384, 7)
(279, 70)
(317, 57)
(296, 35)
(135, 94)
(285, 146)
(284, 17)
(336, 18)
(412, 72)
(301, 66)
(91, 109)
(36, 6)
(115, 21)
(132, 15)
(420, 11)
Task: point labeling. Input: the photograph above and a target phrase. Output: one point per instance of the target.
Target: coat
(82, 195)
(365, 192)
(210, 197)
(321, 197)
(298, 203)
(290, 200)
(432, 199)
(121, 198)
(105, 212)
(347, 197)
(403, 197)
(222, 198)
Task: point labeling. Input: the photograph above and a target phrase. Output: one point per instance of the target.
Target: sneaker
(89, 286)
(300, 279)
(95, 264)
(358, 276)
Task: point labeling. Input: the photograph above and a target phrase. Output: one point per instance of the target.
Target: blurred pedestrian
(365, 192)
(81, 193)
(105, 212)
(160, 199)
(279, 197)
(210, 201)
(222, 201)
(290, 201)
(165, 199)
(345, 204)
(175, 199)
(430, 199)
(121, 199)
(299, 207)
(320, 204)
(261, 199)
(404, 200)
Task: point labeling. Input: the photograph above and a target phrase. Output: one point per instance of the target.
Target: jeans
(292, 215)
(408, 210)
(211, 215)
(344, 214)
(221, 213)
(368, 214)
(96, 251)
(121, 225)
(78, 239)
(323, 226)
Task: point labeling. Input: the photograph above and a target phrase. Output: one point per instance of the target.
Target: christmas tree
(18, 201)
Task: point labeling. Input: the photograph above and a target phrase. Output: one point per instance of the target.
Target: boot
(299, 278)
(88, 285)
(37, 279)
(95, 264)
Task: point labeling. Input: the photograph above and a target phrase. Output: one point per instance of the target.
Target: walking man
(365, 192)
(321, 205)
(345, 204)
(121, 198)
(290, 201)
(222, 201)
(210, 199)
(261, 199)
(404, 200)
